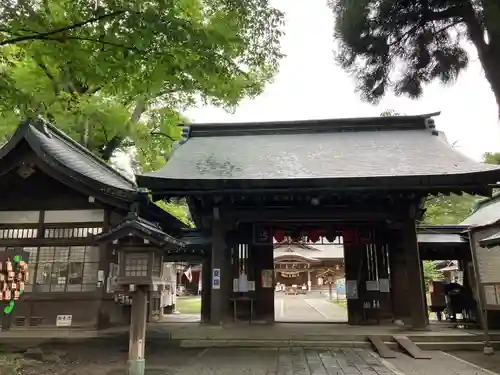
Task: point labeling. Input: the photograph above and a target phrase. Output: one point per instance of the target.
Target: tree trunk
(491, 66)
(115, 142)
(488, 51)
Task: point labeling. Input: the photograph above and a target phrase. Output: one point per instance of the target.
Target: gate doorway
(309, 280)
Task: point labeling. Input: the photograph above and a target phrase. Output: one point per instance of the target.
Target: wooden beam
(382, 349)
(410, 347)
(309, 215)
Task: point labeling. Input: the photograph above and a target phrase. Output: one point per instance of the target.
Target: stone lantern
(140, 246)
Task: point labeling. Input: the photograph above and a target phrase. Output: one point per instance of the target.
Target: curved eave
(49, 164)
(473, 183)
(133, 228)
(295, 256)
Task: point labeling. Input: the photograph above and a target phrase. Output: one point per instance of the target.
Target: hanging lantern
(349, 235)
(313, 235)
(279, 235)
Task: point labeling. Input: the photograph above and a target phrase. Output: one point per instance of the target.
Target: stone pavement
(307, 308)
(440, 364)
(91, 360)
(287, 361)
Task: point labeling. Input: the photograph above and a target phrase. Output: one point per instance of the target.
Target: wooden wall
(41, 192)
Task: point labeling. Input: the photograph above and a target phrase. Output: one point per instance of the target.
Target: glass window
(90, 276)
(43, 274)
(74, 216)
(19, 217)
(66, 268)
(136, 264)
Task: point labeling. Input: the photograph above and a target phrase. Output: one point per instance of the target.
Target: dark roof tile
(486, 212)
(326, 149)
(64, 154)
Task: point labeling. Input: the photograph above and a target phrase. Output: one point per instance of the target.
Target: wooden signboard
(262, 234)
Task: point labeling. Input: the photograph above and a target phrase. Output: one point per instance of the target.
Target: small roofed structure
(443, 242)
(134, 225)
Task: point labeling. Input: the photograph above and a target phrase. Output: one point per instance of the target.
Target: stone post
(136, 360)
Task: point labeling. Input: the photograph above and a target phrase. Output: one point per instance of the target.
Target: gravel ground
(88, 360)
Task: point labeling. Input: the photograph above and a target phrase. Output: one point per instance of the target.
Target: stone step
(271, 344)
(330, 338)
(249, 343)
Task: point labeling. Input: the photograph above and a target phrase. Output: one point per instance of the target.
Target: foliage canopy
(114, 74)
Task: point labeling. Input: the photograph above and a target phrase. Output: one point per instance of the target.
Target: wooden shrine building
(361, 179)
(296, 263)
(55, 196)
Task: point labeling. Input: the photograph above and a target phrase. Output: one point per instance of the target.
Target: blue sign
(340, 286)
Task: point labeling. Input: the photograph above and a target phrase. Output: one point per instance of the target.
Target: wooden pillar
(206, 275)
(352, 263)
(137, 339)
(383, 275)
(218, 274)
(416, 291)
(401, 300)
(263, 260)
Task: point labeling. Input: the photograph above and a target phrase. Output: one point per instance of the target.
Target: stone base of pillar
(136, 367)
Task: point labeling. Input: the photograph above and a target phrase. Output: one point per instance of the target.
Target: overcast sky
(310, 85)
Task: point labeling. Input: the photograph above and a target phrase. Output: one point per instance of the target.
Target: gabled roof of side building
(486, 212)
(61, 153)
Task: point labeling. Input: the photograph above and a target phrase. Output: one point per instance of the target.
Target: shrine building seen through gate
(273, 200)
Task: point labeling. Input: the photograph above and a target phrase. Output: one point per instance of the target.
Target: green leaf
(118, 75)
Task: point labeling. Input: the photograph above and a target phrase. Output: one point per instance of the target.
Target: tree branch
(47, 34)
(44, 68)
(160, 134)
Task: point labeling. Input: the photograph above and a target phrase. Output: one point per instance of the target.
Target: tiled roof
(311, 251)
(486, 212)
(65, 155)
(440, 238)
(139, 226)
(352, 152)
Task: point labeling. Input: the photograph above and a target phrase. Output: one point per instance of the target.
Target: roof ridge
(384, 123)
(39, 121)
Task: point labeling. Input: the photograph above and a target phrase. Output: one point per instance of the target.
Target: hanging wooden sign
(262, 234)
